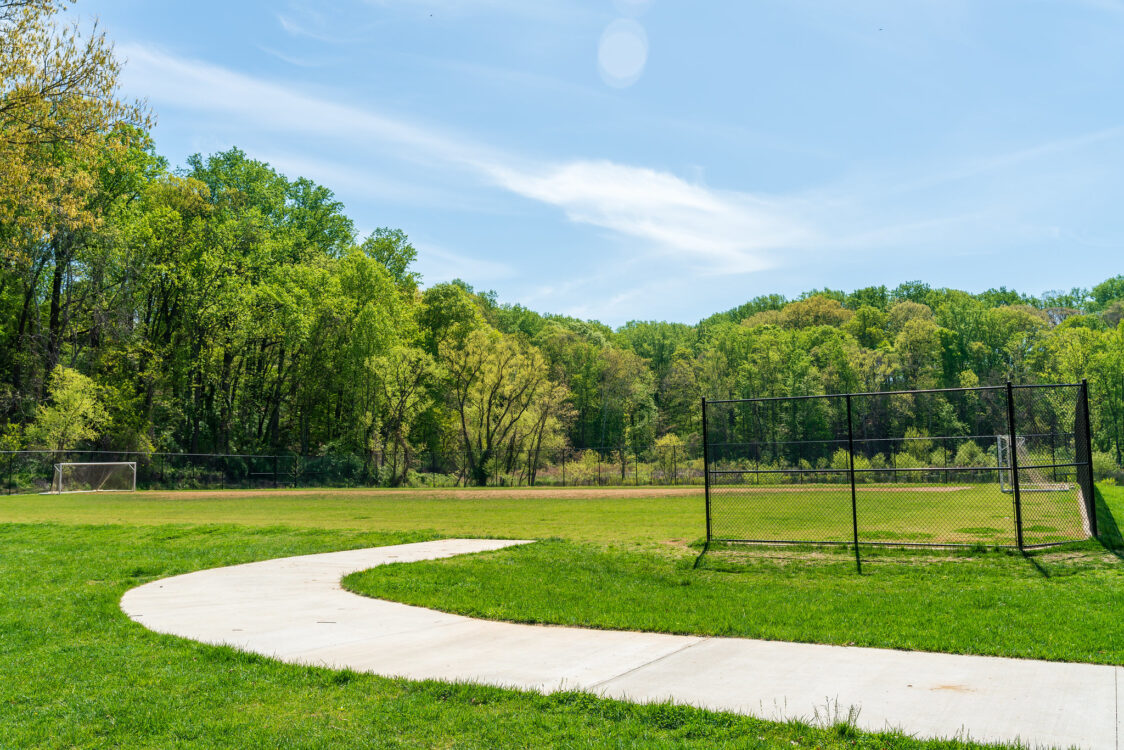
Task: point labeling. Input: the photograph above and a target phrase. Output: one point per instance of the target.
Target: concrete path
(293, 609)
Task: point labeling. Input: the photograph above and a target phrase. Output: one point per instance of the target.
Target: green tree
(392, 248)
(493, 382)
(74, 414)
(868, 326)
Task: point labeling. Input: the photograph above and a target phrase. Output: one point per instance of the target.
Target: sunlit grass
(1065, 603)
(78, 673)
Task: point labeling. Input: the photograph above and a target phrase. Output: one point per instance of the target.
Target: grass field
(924, 514)
(79, 673)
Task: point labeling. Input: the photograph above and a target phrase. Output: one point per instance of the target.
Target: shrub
(970, 454)
(1105, 466)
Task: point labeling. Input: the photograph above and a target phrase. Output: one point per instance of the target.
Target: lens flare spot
(623, 52)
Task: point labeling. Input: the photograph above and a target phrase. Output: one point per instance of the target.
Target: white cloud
(437, 264)
(735, 231)
(209, 88)
(732, 231)
(672, 228)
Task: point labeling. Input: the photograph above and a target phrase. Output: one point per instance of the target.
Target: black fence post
(11, 465)
(1053, 453)
(706, 470)
(1088, 488)
(1014, 454)
(757, 462)
(854, 494)
(674, 466)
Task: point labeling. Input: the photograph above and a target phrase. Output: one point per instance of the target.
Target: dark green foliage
(227, 308)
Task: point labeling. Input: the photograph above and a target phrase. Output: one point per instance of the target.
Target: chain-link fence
(992, 466)
(675, 465)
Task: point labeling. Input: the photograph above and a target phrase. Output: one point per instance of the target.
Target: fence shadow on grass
(1108, 531)
(1108, 536)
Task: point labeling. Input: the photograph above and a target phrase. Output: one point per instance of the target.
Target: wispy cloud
(555, 10)
(687, 227)
(735, 231)
(971, 168)
(732, 230)
(369, 183)
(203, 87)
(312, 22)
(300, 62)
(436, 263)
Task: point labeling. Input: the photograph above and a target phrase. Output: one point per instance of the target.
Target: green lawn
(79, 673)
(925, 514)
(631, 516)
(1064, 603)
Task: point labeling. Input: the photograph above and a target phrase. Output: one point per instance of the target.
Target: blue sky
(650, 159)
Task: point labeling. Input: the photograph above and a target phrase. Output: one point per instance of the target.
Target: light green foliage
(868, 327)
(226, 307)
(917, 446)
(970, 454)
(74, 414)
(669, 452)
(816, 310)
(1106, 292)
(504, 400)
(393, 251)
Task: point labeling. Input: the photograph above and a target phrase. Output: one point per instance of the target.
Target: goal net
(1032, 477)
(105, 476)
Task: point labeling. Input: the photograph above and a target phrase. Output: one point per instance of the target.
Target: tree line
(223, 307)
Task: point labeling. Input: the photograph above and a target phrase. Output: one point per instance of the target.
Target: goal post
(1032, 478)
(99, 476)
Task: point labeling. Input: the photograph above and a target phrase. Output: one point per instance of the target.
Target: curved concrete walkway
(294, 609)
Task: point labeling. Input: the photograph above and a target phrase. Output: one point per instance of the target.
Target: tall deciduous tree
(494, 383)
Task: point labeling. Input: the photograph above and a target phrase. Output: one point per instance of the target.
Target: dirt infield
(482, 493)
(801, 488)
(493, 493)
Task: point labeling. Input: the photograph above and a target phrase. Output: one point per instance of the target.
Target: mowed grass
(1063, 604)
(972, 514)
(605, 516)
(924, 514)
(78, 673)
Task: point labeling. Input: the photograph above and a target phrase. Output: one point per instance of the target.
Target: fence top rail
(920, 391)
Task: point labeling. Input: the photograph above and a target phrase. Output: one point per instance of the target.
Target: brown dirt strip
(492, 493)
(839, 488)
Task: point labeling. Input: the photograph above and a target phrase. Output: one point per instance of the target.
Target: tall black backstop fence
(1006, 466)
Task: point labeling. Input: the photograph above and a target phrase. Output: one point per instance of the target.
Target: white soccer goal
(101, 476)
(1032, 478)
